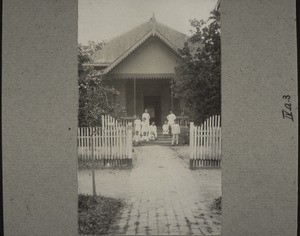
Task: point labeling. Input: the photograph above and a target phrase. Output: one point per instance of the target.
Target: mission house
(140, 65)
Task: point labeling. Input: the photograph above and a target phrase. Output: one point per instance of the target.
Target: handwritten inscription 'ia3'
(287, 112)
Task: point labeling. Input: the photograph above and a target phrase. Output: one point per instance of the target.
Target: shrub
(217, 205)
(184, 136)
(98, 214)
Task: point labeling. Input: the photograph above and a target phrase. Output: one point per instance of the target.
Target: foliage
(217, 205)
(184, 136)
(96, 97)
(198, 74)
(98, 214)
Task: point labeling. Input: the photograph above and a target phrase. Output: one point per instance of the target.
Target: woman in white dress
(146, 115)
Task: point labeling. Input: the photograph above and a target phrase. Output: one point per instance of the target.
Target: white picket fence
(110, 144)
(205, 143)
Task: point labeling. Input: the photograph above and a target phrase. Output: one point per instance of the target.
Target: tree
(198, 74)
(95, 96)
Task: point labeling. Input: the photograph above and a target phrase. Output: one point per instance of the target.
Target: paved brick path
(163, 196)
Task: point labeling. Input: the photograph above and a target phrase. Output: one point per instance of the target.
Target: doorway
(153, 105)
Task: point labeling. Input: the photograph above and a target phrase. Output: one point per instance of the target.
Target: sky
(101, 20)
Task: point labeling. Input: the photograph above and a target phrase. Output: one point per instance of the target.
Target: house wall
(153, 56)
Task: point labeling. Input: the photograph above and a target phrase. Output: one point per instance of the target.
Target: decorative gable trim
(153, 32)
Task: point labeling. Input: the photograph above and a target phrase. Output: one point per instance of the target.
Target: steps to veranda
(161, 139)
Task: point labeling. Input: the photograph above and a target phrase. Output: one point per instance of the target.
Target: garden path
(163, 196)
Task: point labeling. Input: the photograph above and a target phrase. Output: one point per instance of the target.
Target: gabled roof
(120, 47)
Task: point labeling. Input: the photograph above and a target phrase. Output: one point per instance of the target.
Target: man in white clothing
(171, 120)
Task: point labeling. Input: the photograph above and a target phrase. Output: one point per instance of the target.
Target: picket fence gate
(205, 143)
(108, 145)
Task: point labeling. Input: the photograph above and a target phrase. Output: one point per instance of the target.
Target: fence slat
(209, 141)
(219, 135)
(212, 138)
(201, 141)
(192, 140)
(198, 146)
(195, 141)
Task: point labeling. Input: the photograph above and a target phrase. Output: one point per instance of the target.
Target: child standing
(165, 129)
(175, 133)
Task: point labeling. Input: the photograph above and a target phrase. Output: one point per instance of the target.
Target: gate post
(192, 127)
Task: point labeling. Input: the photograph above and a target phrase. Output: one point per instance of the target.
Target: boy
(175, 133)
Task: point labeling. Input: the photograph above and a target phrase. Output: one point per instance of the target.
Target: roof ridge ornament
(153, 20)
(153, 17)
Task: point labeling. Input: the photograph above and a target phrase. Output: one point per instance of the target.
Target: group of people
(144, 132)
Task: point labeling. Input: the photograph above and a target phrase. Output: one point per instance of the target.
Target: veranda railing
(183, 121)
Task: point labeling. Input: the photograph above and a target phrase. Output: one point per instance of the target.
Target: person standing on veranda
(175, 133)
(171, 120)
(146, 115)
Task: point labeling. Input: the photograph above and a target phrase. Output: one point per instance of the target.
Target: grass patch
(98, 214)
(217, 205)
